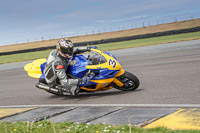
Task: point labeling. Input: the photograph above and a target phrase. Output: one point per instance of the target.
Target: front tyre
(130, 81)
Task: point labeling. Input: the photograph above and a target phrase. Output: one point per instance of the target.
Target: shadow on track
(92, 95)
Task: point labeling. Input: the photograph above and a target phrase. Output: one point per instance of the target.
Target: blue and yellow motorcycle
(102, 69)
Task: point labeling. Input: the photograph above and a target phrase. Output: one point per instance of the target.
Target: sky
(33, 20)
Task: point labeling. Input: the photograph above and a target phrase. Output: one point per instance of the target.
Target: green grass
(46, 126)
(108, 46)
(150, 41)
(24, 56)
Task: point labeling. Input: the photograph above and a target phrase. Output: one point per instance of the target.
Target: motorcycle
(101, 68)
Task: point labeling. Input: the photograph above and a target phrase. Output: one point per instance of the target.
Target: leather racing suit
(55, 72)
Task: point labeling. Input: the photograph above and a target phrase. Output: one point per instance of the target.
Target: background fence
(158, 34)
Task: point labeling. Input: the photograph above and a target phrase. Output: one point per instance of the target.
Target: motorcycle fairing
(107, 73)
(111, 55)
(78, 68)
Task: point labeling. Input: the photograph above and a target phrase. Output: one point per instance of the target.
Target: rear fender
(35, 69)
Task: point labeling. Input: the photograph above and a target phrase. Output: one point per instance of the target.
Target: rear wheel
(130, 81)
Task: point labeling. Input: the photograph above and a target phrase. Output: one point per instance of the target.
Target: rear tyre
(130, 81)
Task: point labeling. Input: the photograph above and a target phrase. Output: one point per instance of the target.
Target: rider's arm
(59, 68)
(79, 51)
(65, 82)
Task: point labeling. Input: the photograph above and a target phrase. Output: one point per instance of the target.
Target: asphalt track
(168, 73)
(168, 95)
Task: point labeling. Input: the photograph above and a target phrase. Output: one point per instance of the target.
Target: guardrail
(150, 35)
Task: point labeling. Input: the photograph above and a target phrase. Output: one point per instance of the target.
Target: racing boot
(74, 91)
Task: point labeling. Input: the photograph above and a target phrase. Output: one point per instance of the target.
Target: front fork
(116, 81)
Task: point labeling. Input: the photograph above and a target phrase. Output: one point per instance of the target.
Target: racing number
(112, 62)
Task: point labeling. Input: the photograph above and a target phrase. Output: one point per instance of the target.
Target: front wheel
(130, 82)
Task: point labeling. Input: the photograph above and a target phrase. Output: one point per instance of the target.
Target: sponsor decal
(59, 67)
(72, 63)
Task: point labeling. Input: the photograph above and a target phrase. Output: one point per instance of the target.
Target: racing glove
(84, 80)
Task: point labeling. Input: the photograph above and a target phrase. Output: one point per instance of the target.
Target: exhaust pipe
(46, 88)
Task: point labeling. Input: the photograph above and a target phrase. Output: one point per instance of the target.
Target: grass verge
(46, 126)
(107, 47)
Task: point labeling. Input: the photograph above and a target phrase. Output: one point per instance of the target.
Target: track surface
(168, 73)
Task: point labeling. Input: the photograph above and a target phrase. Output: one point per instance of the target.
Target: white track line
(108, 105)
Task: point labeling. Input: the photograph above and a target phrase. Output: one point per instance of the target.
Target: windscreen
(96, 58)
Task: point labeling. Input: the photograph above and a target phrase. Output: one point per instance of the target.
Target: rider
(56, 67)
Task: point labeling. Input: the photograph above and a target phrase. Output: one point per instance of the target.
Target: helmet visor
(67, 50)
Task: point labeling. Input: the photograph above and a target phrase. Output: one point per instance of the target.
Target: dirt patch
(131, 32)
